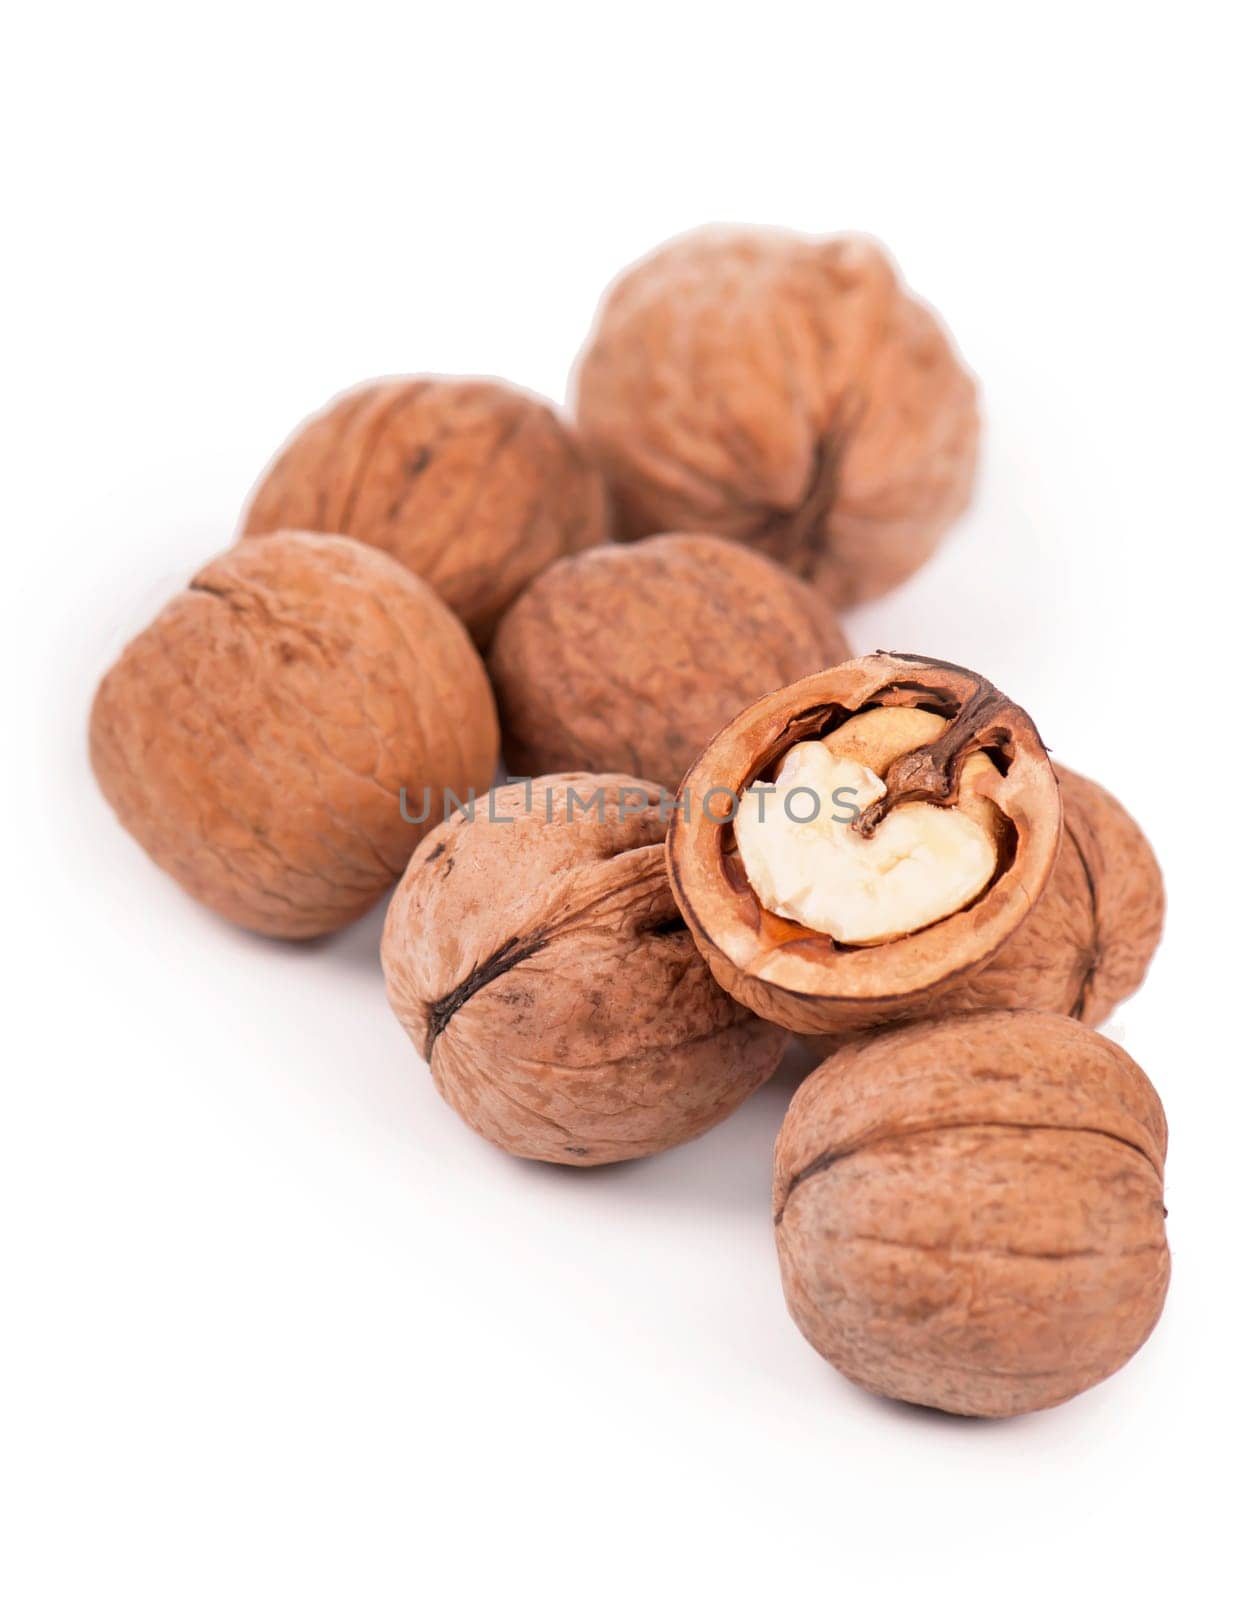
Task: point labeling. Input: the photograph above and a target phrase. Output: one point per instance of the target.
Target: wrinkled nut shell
(969, 1213)
(804, 980)
(471, 484)
(630, 657)
(256, 737)
(784, 391)
(539, 966)
(1126, 894)
(1087, 944)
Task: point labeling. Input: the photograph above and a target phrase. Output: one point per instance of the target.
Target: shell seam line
(830, 1158)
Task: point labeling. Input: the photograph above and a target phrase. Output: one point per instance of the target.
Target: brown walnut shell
(786, 391)
(473, 485)
(1124, 891)
(630, 657)
(969, 1213)
(1087, 944)
(804, 980)
(534, 955)
(256, 737)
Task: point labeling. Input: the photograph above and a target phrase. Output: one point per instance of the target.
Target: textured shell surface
(472, 484)
(631, 657)
(535, 957)
(786, 391)
(969, 1212)
(1087, 944)
(257, 737)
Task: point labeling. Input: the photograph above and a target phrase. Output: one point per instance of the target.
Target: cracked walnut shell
(630, 657)
(785, 391)
(473, 485)
(534, 955)
(256, 737)
(969, 1213)
(986, 762)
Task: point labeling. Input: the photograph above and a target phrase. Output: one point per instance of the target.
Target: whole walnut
(630, 657)
(474, 485)
(534, 955)
(969, 1213)
(786, 391)
(258, 737)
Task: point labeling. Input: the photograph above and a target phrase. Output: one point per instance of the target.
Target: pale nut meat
(629, 658)
(535, 957)
(806, 862)
(879, 737)
(929, 741)
(969, 1212)
(472, 484)
(257, 739)
(784, 391)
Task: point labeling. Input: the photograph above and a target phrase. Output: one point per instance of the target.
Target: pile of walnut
(720, 831)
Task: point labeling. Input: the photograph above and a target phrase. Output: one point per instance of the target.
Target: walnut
(969, 1212)
(785, 391)
(473, 485)
(630, 657)
(1124, 894)
(1087, 944)
(950, 821)
(534, 955)
(257, 737)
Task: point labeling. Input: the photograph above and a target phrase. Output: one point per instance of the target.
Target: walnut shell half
(786, 391)
(630, 657)
(257, 738)
(969, 1213)
(473, 485)
(804, 980)
(535, 957)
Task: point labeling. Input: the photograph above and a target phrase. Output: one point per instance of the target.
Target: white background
(276, 1322)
